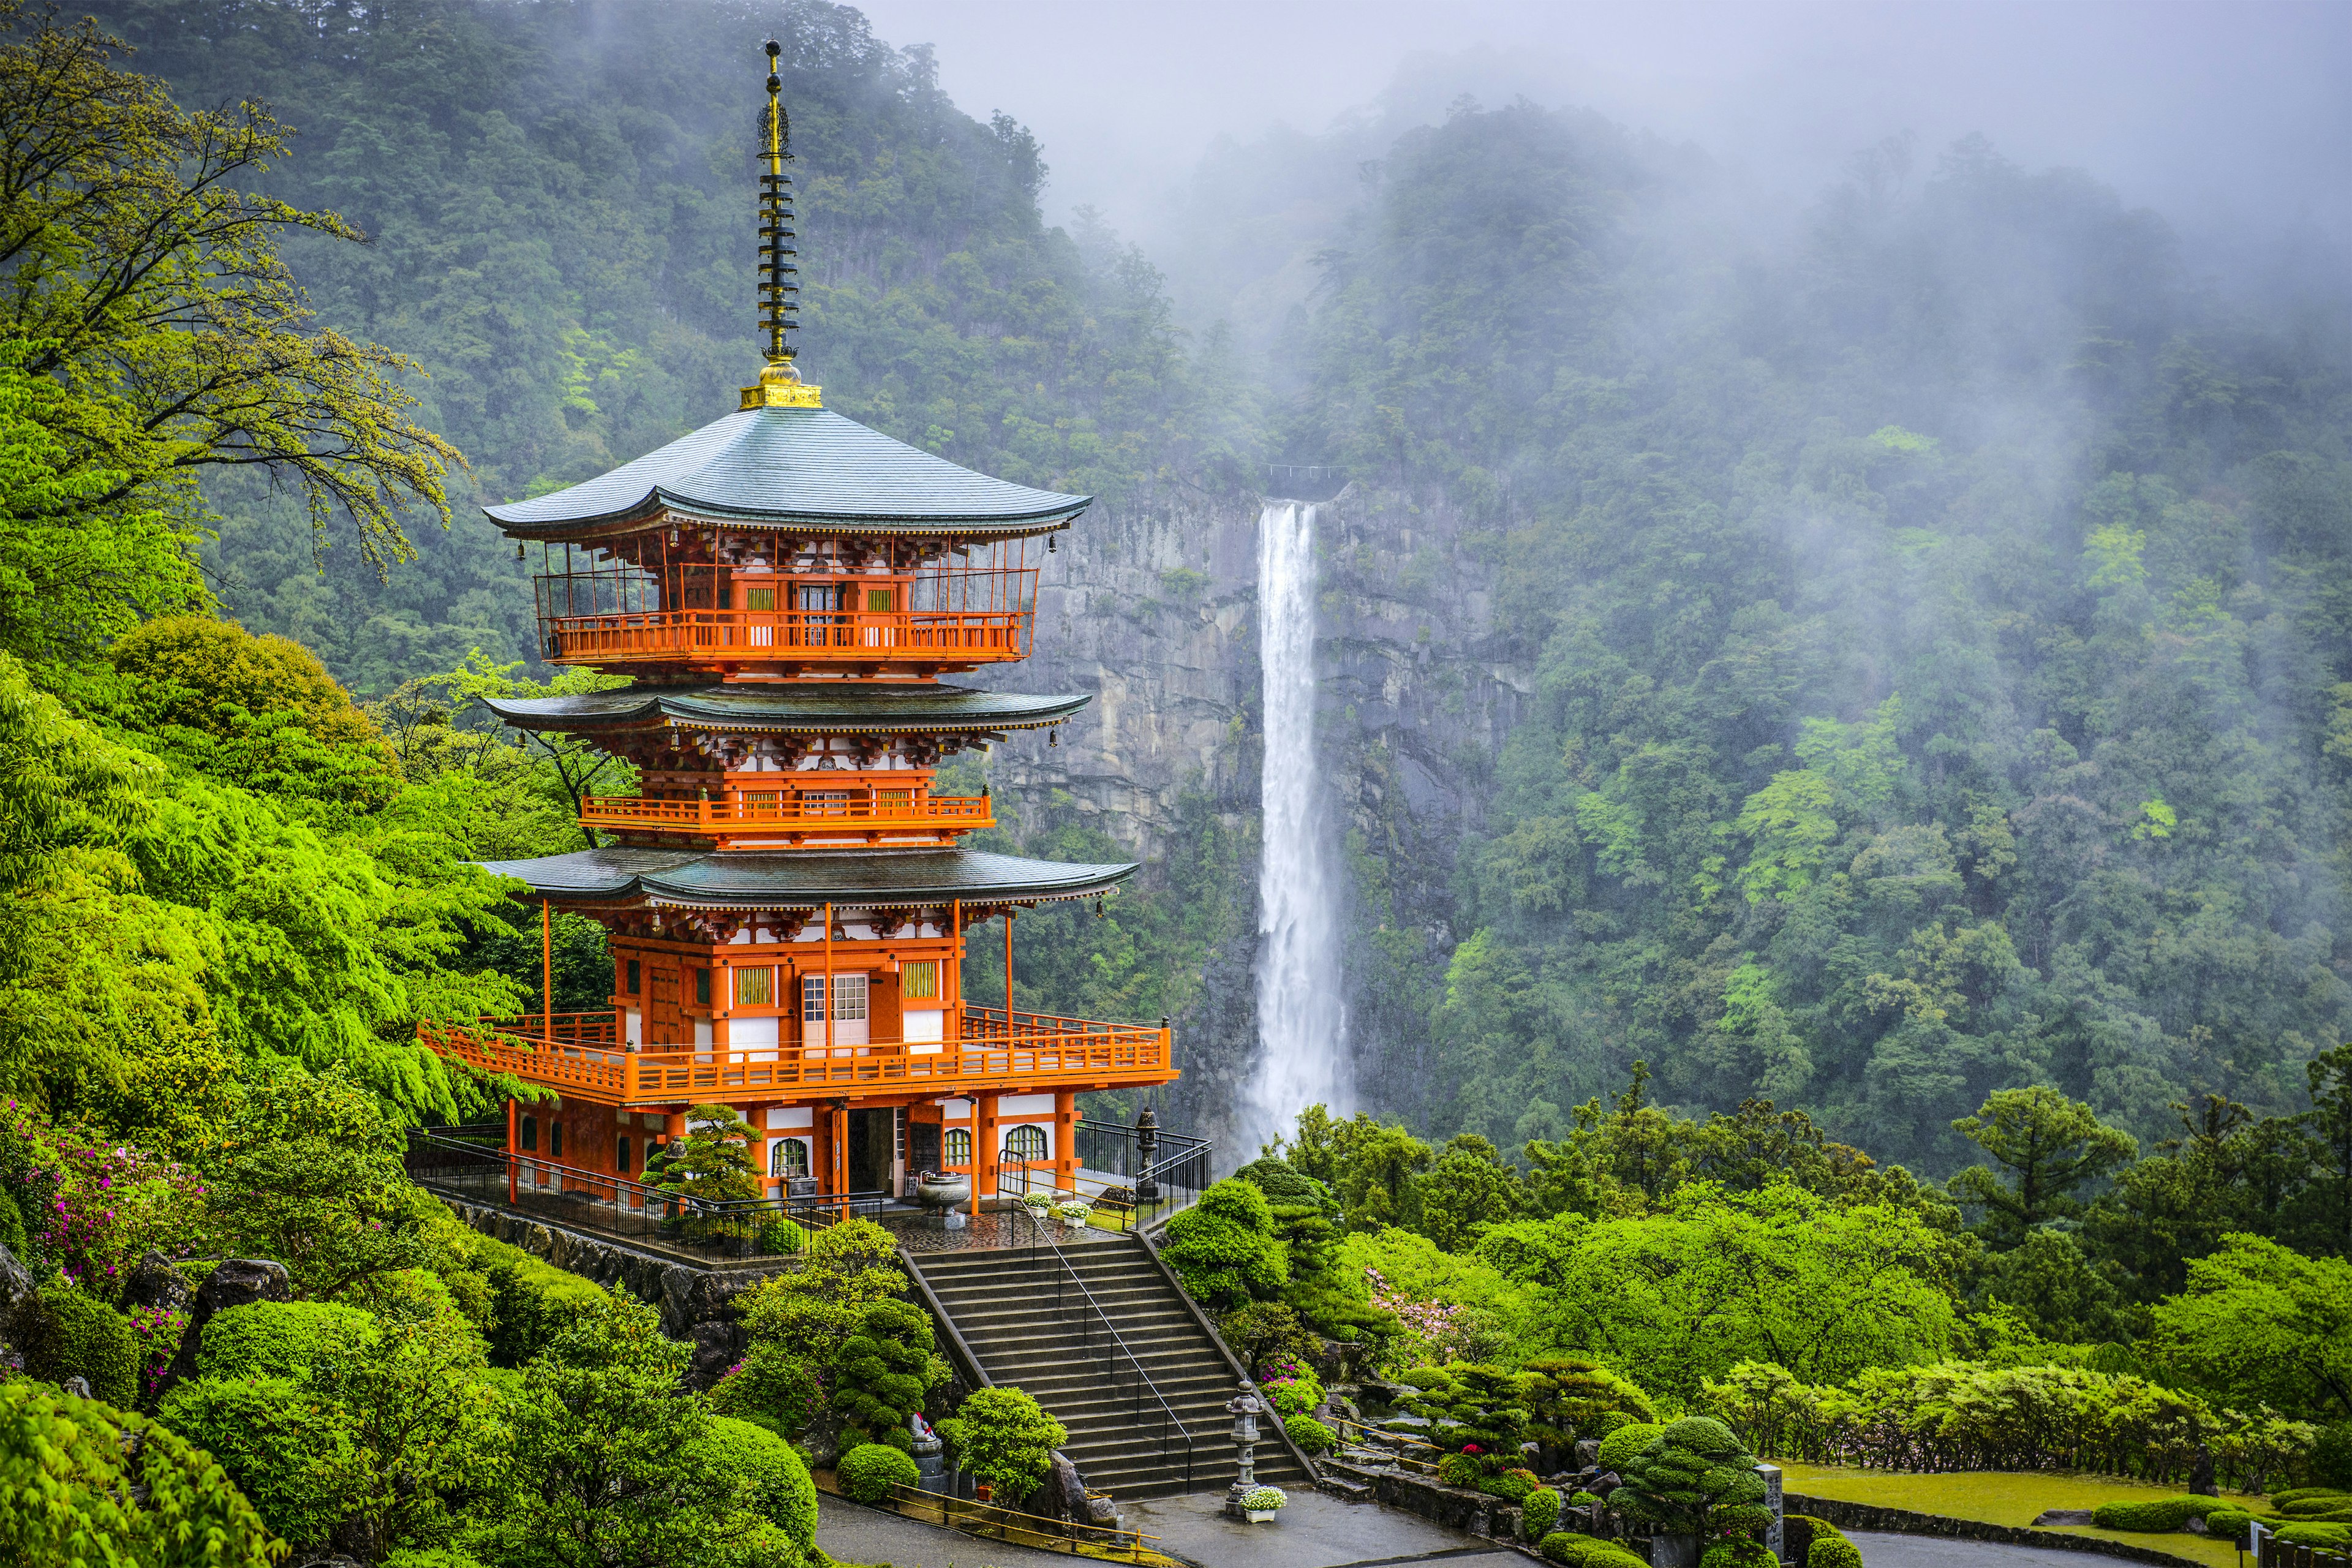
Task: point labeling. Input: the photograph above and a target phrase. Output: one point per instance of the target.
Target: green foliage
(1002, 1436)
(1694, 1475)
(1539, 1513)
(2333, 1536)
(1224, 1248)
(1511, 1486)
(80, 1336)
(1460, 1470)
(1309, 1436)
(2155, 1514)
(2050, 1145)
(772, 1386)
(810, 1313)
(868, 1472)
(1475, 1409)
(2261, 1323)
(882, 1373)
(712, 1165)
(532, 1302)
(77, 1477)
(1567, 1397)
(295, 1455)
(1833, 1551)
(1570, 1550)
(279, 1339)
(1619, 1448)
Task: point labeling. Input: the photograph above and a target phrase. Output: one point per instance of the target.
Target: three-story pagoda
(788, 900)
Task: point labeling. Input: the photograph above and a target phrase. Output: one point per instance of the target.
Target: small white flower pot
(1259, 1515)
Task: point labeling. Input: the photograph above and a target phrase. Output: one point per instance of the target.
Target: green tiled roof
(700, 879)
(795, 466)
(833, 708)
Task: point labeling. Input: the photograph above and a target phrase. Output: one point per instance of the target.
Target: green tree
(1001, 1436)
(2049, 1146)
(810, 1313)
(1468, 1188)
(883, 1372)
(77, 1478)
(2260, 1324)
(1224, 1248)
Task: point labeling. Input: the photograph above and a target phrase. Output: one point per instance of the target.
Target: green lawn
(2002, 1497)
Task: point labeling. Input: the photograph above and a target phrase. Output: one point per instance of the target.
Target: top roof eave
(658, 503)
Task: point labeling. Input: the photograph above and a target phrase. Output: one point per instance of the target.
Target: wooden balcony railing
(927, 638)
(1036, 1050)
(791, 815)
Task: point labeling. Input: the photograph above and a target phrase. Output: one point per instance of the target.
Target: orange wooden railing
(790, 637)
(1038, 1050)
(789, 811)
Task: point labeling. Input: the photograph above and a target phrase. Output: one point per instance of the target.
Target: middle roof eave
(811, 707)
(745, 880)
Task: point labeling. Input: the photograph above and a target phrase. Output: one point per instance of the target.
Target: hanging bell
(1052, 542)
(1053, 737)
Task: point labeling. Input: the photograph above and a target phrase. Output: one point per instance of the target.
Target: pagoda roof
(794, 467)
(832, 708)
(737, 879)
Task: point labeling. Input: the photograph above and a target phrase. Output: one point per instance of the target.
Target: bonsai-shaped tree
(1002, 1436)
(1696, 1478)
(1224, 1248)
(1474, 1408)
(811, 1311)
(1306, 1222)
(1566, 1399)
(883, 1372)
(712, 1165)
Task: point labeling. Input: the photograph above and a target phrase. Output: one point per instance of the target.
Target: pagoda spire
(779, 290)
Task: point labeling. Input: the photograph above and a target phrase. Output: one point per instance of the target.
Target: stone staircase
(1004, 1304)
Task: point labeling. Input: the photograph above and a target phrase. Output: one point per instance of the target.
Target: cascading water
(1301, 1025)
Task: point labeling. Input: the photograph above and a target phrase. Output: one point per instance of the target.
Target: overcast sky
(2219, 114)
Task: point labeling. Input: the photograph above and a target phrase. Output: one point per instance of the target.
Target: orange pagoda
(787, 897)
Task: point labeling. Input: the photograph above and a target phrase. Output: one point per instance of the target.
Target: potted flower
(1039, 1201)
(1072, 1213)
(1263, 1504)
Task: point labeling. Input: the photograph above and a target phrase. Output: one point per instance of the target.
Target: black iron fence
(606, 1204)
(1162, 1172)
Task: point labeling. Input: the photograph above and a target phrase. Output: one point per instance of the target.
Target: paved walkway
(1881, 1550)
(850, 1533)
(1315, 1531)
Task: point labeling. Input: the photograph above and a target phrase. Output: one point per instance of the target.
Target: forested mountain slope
(558, 199)
(1934, 640)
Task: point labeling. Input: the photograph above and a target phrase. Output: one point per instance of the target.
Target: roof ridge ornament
(779, 384)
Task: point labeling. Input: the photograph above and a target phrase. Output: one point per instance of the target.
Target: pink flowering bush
(1430, 1333)
(92, 1207)
(158, 1332)
(1290, 1387)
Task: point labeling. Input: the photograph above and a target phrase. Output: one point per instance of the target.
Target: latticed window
(959, 1142)
(1026, 1142)
(759, 598)
(789, 1157)
(751, 987)
(917, 981)
(849, 997)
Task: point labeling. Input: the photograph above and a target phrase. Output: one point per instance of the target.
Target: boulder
(1064, 1495)
(717, 1347)
(2051, 1518)
(156, 1285)
(18, 1293)
(1588, 1451)
(238, 1282)
(1103, 1511)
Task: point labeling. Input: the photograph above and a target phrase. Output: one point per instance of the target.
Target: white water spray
(1301, 1024)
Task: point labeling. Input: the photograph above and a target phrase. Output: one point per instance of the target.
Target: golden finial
(779, 384)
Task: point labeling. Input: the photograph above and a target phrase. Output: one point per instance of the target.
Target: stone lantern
(1244, 1409)
(1147, 1144)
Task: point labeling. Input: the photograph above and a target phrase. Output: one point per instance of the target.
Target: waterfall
(1300, 1021)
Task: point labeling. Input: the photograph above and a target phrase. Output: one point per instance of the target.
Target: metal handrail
(1039, 1241)
(976, 1518)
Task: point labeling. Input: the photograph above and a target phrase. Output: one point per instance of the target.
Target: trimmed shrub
(1004, 1438)
(1539, 1513)
(2312, 1503)
(1309, 1435)
(1833, 1551)
(1224, 1248)
(276, 1339)
(532, 1302)
(295, 1458)
(1293, 1390)
(1799, 1531)
(2154, 1515)
(1583, 1500)
(1572, 1551)
(1460, 1470)
(1627, 1440)
(2315, 1535)
(868, 1472)
(772, 1387)
(1737, 1552)
(1512, 1485)
(884, 1372)
(81, 1336)
(2228, 1524)
(2287, 1496)
(771, 1472)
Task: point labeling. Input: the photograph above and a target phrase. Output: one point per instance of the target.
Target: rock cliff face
(1151, 608)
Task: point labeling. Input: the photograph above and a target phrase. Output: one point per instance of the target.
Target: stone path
(1315, 1531)
(1881, 1550)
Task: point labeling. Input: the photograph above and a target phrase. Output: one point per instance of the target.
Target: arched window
(1026, 1142)
(959, 1142)
(788, 1157)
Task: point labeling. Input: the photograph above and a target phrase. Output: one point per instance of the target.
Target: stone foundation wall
(1904, 1521)
(696, 1303)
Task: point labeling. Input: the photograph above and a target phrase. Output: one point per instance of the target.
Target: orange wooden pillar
(984, 1151)
(1066, 1141)
(512, 1114)
(836, 1137)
